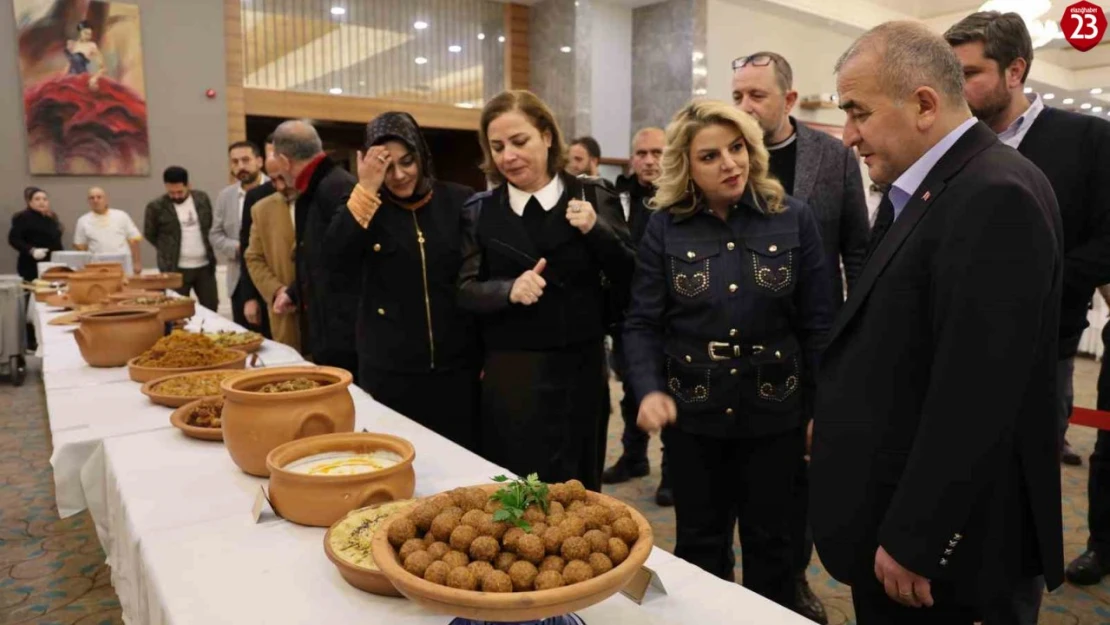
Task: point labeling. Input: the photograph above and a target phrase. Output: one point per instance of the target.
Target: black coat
(29, 230)
(328, 298)
(245, 289)
(408, 284)
(639, 211)
(162, 229)
(1073, 151)
(935, 429)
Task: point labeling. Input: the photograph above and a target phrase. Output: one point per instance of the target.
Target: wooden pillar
(517, 72)
(233, 60)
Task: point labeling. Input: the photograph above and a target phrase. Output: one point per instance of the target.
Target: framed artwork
(84, 94)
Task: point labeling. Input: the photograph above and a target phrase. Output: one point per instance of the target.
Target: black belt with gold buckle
(725, 351)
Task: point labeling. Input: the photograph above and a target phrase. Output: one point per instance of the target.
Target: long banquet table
(174, 514)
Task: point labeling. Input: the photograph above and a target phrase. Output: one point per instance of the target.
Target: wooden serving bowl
(139, 373)
(321, 500)
(179, 418)
(178, 308)
(111, 337)
(150, 388)
(515, 607)
(255, 423)
(156, 281)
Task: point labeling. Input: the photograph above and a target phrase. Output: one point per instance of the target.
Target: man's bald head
(647, 153)
(297, 140)
(98, 199)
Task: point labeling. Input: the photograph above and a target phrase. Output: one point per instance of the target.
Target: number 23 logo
(1083, 24)
(1081, 20)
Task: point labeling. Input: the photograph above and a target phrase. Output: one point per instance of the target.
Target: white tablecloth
(174, 517)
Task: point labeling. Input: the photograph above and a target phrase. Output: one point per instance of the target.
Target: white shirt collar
(262, 179)
(1017, 129)
(548, 196)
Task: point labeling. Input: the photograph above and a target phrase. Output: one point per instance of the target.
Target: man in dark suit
(817, 169)
(935, 478)
(1073, 151)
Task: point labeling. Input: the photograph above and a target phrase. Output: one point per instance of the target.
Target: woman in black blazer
(35, 233)
(417, 351)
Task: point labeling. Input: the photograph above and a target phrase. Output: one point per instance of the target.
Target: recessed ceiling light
(481, 36)
(1049, 96)
(1028, 90)
(1085, 105)
(1096, 91)
(338, 11)
(454, 48)
(698, 56)
(420, 25)
(501, 39)
(464, 105)
(362, 83)
(420, 60)
(335, 91)
(1069, 100)
(1097, 109)
(565, 49)
(700, 91)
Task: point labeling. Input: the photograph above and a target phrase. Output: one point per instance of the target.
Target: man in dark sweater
(1073, 151)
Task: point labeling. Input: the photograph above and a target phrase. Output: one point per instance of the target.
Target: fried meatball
(410, 547)
(559, 493)
(547, 580)
(573, 526)
(443, 525)
(462, 537)
(523, 575)
(504, 560)
(553, 563)
(461, 578)
(475, 499)
(553, 540)
(607, 530)
(626, 530)
(497, 581)
(473, 518)
(439, 549)
(489, 527)
(512, 535)
(400, 531)
(619, 511)
(599, 542)
(453, 511)
(600, 563)
(492, 506)
(618, 551)
(575, 548)
(436, 573)
(480, 568)
(458, 498)
(554, 507)
(530, 547)
(417, 563)
(576, 507)
(534, 514)
(538, 529)
(484, 548)
(429, 538)
(456, 559)
(577, 490)
(595, 517)
(577, 571)
(423, 515)
(555, 519)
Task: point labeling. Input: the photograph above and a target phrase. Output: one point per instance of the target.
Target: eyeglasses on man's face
(756, 60)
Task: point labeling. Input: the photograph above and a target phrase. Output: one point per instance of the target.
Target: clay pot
(127, 294)
(90, 288)
(106, 268)
(255, 423)
(109, 338)
(56, 274)
(156, 281)
(321, 500)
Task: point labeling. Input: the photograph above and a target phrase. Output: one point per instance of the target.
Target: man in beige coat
(270, 259)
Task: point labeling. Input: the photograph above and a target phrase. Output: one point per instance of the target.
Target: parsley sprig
(516, 496)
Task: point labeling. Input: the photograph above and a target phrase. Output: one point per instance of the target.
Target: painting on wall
(84, 97)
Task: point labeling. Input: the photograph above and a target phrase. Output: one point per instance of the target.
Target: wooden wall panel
(233, 60)
(517, 74)
(301, 105)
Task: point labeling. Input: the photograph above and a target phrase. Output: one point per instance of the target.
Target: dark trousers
(873, 607)
(1065, 393)
(634, 441)
(802, 537)
(1098, 480)
(721, 483)
(237, 303)
(445, 402)
(201, 281)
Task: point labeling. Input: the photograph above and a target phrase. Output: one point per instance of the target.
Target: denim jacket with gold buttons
(729, 316)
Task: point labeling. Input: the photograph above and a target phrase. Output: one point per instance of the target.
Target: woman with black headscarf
(417, 350)
(35, 233)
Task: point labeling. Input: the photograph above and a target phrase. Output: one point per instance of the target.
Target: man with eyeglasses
(817, 169)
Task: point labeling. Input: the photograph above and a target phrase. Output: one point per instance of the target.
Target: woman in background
(35, 232)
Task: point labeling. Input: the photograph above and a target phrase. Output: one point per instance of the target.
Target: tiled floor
(53, 572)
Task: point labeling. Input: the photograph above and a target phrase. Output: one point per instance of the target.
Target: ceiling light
(454, 48)
(501, 39)
(362, 83)
(464, 105)
(420, 25)
(701, 70)
(1097, 109)
(1049, 96)
(335, 91)
(565, 49)
(420, 60)
(698, 56)
(1069, 100)
(1041, 29)
(1085, 105)
(338, 11)
(1096, 91)
(700, 91)
(481, 36)
(1028, 90)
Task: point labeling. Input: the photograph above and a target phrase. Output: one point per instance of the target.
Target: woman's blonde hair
(675, 189)
(541, 117)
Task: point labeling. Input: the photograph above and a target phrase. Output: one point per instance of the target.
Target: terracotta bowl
(179, 419)
(255, 423)
(516, 606)
(178, 308)
(150, 388)
(126, 294)
(364, 578)
(59, 300)
(89, 287)
(57, 274)
(140, 373)
(105, 268)
(156, 281)
(321, 500)
(109, 338)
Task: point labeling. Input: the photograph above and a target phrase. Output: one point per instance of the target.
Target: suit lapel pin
(926, 196)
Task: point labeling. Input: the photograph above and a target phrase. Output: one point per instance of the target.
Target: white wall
(610, 77)
(739, 27)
